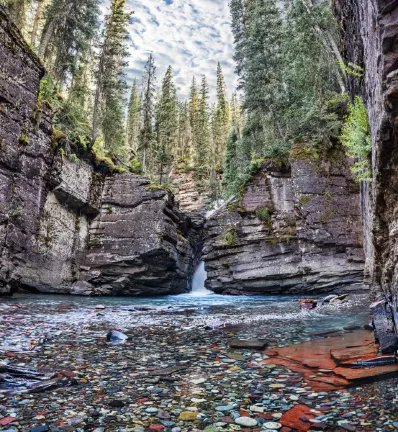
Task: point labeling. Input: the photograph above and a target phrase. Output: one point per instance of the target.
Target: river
(204, 384)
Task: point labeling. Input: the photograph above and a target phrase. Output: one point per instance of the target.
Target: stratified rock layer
(370, 34)
(140, 243)
(296, 229)
(66, 228)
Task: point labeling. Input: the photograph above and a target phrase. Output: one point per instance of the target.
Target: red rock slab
(292, 419)
(7, 420)
(344, 355)
(361, 374)
(316, 353)
(320, 383)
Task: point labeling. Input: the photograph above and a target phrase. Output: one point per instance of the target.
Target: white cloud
(191, 36)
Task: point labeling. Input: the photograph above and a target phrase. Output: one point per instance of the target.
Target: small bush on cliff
(263, 214)
(229, 238)
(357, 140)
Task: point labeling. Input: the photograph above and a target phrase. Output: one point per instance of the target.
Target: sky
(190, 35)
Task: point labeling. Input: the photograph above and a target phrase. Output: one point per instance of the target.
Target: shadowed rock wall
(296, 229)
(369, 30)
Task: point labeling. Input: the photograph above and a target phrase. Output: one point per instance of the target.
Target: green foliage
(23, 139)
(73, 158)
(48, 94)
(135, 167)
(202, 141)
(109, 104)
(69, 27)
(228, 238)
(357, 140)
(147, 133)
(287, 67)
(263, 214)
(351, 68)
(133, 123)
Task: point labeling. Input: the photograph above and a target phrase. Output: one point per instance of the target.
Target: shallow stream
(204, 384)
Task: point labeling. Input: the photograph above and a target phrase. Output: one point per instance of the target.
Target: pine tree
(221, 121)
(166, 123)
(263, 84)
(184, 133)
(231, 168)
(237, 10)
(194, 114)
(111, 85)
(69, 28)
(147, 134)
(202, 149)
(74, 117)
(133, 125)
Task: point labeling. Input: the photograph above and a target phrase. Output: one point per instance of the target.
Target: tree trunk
(46, 38)
(36, 21)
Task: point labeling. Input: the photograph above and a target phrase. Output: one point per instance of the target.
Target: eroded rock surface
(296, 229)
(369, 39)
(139, 244)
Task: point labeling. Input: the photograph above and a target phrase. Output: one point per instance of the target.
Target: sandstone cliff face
(296, 229)
(369, 36)
(62, 222)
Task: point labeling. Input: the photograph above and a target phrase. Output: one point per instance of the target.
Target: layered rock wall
(369, 31)
(295, 230)
(66, 228)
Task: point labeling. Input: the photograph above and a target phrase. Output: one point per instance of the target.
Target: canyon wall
(369, 30)
(65, 226)
(295, 229)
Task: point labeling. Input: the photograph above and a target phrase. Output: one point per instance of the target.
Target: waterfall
(198, 281)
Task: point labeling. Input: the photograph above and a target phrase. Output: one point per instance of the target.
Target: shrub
(135, 167)
(263, 214)
(356, 139)
(229, 237)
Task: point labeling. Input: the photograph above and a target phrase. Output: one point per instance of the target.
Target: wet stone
(173, 375)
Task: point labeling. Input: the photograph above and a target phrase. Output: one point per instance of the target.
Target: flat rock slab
(362, 374)
(349, 355)
(247, 344)
(318, 360)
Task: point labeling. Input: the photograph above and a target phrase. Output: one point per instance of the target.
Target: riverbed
(176, 371)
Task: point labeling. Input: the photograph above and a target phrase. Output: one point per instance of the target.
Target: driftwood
(28, 380)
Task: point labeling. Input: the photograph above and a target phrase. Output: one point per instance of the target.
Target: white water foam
(198, 282)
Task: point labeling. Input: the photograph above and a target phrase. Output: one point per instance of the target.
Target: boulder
(116, 336)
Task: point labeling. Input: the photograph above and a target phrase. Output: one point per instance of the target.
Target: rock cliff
(369, 31)
(66, 227)
(295, 229)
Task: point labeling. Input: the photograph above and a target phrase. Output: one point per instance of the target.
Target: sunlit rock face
(369, 30)
(295, 229)
(65, 227)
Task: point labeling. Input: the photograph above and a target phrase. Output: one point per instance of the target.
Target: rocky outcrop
(66, 226)
(295, 229)
(369, 39)
(187, 195)
(140, 243)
